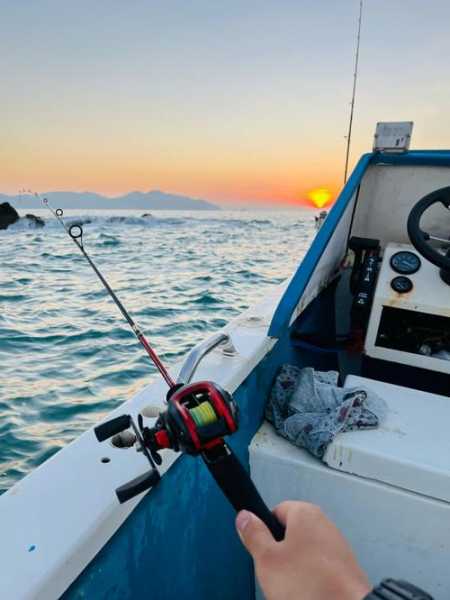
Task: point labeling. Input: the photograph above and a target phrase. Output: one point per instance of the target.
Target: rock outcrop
(38, 221)
(8, 215)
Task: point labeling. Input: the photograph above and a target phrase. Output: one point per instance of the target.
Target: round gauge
(401, 284)
(405, 262)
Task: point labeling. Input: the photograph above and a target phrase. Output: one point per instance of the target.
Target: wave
(25, 224)
(67, 357)
(146, 220)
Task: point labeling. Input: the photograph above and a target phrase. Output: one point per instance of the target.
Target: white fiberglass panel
(388, 194)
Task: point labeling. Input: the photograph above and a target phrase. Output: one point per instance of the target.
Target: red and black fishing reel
(198, 417)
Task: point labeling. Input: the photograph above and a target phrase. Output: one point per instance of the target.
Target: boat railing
(198, 353)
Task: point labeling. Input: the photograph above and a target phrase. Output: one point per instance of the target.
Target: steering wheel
(419, 238)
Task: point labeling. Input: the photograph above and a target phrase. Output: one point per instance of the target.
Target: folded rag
(309, 409)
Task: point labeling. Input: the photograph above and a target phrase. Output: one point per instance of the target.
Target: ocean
(67, 356)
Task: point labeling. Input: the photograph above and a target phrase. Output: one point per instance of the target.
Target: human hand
(313, 562)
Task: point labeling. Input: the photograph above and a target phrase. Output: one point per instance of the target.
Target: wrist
(359, 591)
(356, 588)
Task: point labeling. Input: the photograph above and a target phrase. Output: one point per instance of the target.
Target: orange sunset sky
(236, 102)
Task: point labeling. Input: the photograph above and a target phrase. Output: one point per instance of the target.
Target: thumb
(254, 534)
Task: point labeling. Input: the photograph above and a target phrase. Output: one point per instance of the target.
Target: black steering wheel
(419, 238)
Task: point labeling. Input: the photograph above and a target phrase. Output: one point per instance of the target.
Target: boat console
(401, 301)
(410, 318)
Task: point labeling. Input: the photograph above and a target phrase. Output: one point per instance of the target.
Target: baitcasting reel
(198, 416)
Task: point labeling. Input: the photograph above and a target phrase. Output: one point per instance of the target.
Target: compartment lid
(411, 448)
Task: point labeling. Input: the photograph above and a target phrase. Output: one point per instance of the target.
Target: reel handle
(236, 484)
(137, 485)
(111, 427)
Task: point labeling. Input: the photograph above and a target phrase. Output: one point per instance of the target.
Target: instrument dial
(401, 284)
(405, 262)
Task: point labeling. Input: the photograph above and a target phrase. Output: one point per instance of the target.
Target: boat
(319, 219)
(370, 299)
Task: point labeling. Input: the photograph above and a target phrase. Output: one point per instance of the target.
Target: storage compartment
(414, 332)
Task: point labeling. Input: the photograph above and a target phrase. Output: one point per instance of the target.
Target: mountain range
(152, 200)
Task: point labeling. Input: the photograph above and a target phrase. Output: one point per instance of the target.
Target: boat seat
(410, 449)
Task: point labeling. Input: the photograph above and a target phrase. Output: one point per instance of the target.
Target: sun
(319, 197)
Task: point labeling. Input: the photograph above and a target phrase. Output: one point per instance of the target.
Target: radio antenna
(352, 104)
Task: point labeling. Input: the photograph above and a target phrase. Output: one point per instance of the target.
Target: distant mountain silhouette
(153, 200)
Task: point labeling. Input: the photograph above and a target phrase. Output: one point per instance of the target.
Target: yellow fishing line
(203, 414)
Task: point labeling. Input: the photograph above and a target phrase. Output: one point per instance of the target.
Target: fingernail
(243, 519)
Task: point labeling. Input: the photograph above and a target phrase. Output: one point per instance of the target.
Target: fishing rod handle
(240, 490)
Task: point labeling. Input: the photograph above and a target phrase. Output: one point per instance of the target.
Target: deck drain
(106, 459)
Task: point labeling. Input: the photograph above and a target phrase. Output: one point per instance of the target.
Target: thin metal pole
(352, 106)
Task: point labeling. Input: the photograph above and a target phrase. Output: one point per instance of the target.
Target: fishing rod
(75, 233)
(352, 104)
(197, 418)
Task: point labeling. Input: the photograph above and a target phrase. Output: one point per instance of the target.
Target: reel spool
(203, 414)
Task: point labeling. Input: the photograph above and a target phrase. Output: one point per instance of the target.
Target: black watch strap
(396, 589)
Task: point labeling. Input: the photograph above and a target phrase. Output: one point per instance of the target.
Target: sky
(236, 102)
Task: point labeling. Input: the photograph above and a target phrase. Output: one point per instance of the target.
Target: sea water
(67, 357)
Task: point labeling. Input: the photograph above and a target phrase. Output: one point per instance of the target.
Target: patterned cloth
(309, 409)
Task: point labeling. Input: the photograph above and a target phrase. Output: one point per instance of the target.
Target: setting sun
(319, 197)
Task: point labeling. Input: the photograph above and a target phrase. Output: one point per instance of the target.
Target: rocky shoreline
(9, 216)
